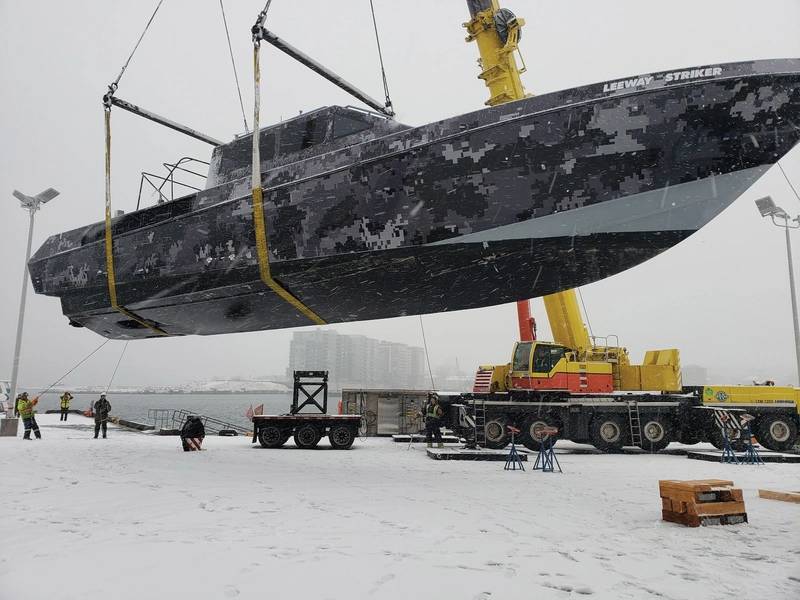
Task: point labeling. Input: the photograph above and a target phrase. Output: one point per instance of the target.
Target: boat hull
(500, 205)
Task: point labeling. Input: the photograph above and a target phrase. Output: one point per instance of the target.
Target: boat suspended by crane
(355, 216)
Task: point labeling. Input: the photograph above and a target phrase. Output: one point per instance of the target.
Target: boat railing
(164, 186)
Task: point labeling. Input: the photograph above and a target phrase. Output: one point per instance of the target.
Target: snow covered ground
(132, 517)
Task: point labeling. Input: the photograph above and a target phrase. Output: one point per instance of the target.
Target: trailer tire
(777, 432)
(306, 436)
(607, 433)
(528, 436)
(341, 437)
(496, 433)
(656, 434)
(271, 436)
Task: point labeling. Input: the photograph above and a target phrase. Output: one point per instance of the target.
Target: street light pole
(768, 209)
(32, 204)
(793, 292)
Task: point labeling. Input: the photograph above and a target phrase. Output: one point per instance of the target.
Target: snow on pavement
(133, 517)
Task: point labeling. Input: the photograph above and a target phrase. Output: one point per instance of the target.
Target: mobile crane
(590, 391)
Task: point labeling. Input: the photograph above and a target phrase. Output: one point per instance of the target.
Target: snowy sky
(721, 297)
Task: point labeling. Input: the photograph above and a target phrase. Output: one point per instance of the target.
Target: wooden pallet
(785, 496)
(701, 502)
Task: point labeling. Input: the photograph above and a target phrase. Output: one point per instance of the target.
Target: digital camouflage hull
(368, 219)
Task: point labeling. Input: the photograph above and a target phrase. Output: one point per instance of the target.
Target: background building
(356, 361)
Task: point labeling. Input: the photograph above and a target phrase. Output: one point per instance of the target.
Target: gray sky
(721, 297)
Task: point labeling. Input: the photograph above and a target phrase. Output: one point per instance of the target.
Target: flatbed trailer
(611, 421)
(273, 431)
(310, 390)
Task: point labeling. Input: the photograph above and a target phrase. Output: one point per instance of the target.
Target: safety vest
(25, 408)
(65, 399)
(434, 411)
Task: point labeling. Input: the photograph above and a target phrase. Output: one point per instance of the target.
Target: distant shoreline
(183, 393)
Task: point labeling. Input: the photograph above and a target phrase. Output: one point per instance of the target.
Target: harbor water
(228, 407)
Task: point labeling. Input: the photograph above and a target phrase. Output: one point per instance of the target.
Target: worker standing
(433, 414)
(66, 398)
(28, 415)
(101, 409)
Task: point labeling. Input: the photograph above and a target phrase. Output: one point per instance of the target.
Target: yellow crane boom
(497, 32)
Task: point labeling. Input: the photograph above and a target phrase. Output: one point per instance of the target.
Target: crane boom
(497, 33)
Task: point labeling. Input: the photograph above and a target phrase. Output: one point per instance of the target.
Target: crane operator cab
(547, 366)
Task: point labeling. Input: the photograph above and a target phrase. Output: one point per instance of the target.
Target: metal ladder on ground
(635, 423)
(173, 419)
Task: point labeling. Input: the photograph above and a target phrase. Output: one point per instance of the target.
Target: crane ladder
(635, 423)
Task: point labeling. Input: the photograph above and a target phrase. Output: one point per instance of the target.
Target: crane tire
(777, 432)
(656, 432)
(608, 433)
(528, 437)
(496, 433)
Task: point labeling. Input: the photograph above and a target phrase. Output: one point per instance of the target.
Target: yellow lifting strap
(259, 223)
(112, 282)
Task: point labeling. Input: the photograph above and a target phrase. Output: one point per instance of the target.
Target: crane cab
(545, 366)
(548, 366)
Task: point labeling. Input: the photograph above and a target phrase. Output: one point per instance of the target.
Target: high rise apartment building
(356, 361)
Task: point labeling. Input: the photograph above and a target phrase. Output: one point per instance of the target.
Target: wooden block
(702, 485)
(735, 495)
(682, 496)
(666, 504)
(681, 518)
(776, 495)
(716, 508)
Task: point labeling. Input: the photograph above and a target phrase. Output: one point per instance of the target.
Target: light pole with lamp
(781, 218)
(31, 204)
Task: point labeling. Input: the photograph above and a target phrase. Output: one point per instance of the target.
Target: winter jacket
(193, 428)
(101, 409)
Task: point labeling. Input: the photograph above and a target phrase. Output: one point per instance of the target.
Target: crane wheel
(341, 437)
(608, 433)
(656, 434)
(777, 432)
(496, 433)
(737, 443)
(530, 437)
(306, 436)
(271, 436)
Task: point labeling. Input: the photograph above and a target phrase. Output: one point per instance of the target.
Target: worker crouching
(25, 406)
(192, 433)
(433, 420)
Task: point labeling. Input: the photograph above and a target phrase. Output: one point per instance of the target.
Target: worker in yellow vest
(433, 420)
(27, 413)
(66, 397)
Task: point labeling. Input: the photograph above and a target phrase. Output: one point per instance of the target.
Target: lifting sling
(259, 223)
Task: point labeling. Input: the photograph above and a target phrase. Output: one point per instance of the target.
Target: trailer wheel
(607, 433)
(777, 432)
(271, 436)
(341, 437)
(306, 436)
(496, 433)
(656, 434)
(529, 437)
